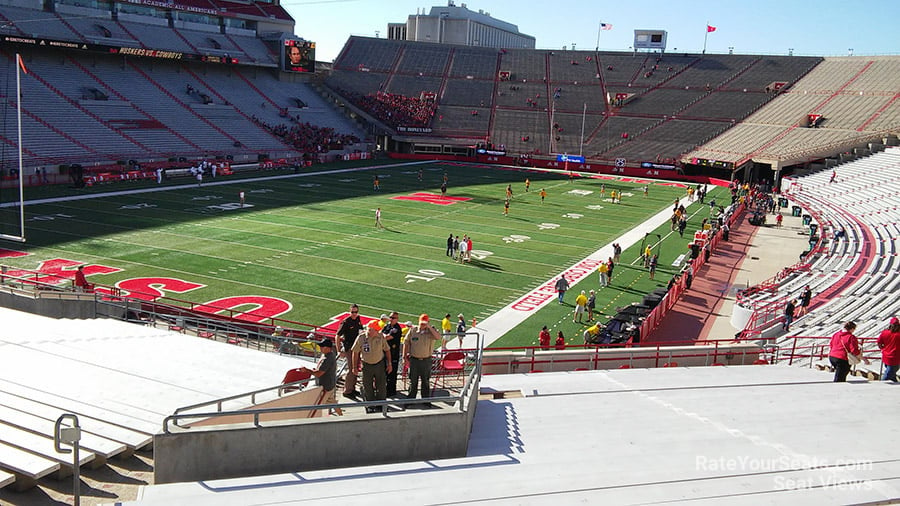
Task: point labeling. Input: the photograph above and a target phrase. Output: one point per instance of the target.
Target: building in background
(459, 25)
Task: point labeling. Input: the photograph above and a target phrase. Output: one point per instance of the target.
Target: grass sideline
(308, 240)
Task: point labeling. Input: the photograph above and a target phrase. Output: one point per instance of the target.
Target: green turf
(310, 239)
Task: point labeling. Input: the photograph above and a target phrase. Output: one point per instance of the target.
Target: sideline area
(504, 320)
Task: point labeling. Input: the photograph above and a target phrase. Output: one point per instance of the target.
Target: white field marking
(142, 205)
(50, 217)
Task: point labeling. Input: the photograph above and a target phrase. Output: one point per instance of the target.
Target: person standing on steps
(842, 343)
(889, 343)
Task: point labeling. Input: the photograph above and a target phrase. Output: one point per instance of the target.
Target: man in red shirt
(544, 338)
(889, 342)
(81, 284)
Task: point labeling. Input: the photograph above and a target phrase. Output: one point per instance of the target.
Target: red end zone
(431, 198)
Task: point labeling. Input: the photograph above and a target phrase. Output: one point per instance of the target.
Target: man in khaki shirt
(375, 354)
(417, 349)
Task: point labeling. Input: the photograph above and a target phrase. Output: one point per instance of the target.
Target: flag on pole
(21, 63)
(605, 26)
(710, 29)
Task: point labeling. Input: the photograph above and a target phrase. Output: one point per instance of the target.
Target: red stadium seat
(760, 361)
(670, 364)
(452, 364)
(292, 376)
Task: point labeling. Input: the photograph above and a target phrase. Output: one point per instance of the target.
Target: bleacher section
(473, 62)
(84, 107)
(37, 23)
(98, 110)
(534, 86)
(120, 379)
(856, 98)
(851, 277)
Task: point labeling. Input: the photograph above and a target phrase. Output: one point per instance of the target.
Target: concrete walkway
(752, 255)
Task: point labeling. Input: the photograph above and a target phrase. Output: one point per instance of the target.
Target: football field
(304, 246)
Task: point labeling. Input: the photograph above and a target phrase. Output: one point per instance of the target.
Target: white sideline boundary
(213, 182)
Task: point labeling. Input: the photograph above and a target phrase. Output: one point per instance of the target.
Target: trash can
(812, 228)
(782, 202)
(796, 211)
(807, 219)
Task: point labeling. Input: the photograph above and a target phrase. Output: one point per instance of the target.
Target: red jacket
(889, 342)
(842, 341)
(544, 338)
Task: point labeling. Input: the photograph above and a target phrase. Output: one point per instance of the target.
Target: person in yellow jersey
(648, 254)
(527, 184)
(603, 269)
(580, 307)
(592, 334)
(543, 195)
(447, 326)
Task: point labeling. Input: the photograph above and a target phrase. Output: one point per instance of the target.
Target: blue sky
(819, 28)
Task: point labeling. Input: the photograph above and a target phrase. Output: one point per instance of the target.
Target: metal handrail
(256, 413)
(468, 385)
(218, 402)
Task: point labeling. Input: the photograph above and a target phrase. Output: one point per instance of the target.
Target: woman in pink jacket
(842, 342)
(889, 342)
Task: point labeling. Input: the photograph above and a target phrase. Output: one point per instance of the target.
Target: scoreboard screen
(716, 164)
(299, 56)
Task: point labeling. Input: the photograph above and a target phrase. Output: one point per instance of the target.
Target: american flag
(605, 26)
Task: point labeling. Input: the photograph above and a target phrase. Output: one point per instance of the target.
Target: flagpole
(705, 36)
(583, 113)
(19, 127)
(599, 26)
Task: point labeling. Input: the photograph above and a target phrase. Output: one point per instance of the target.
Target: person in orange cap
(372, 349)
(417, 350)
